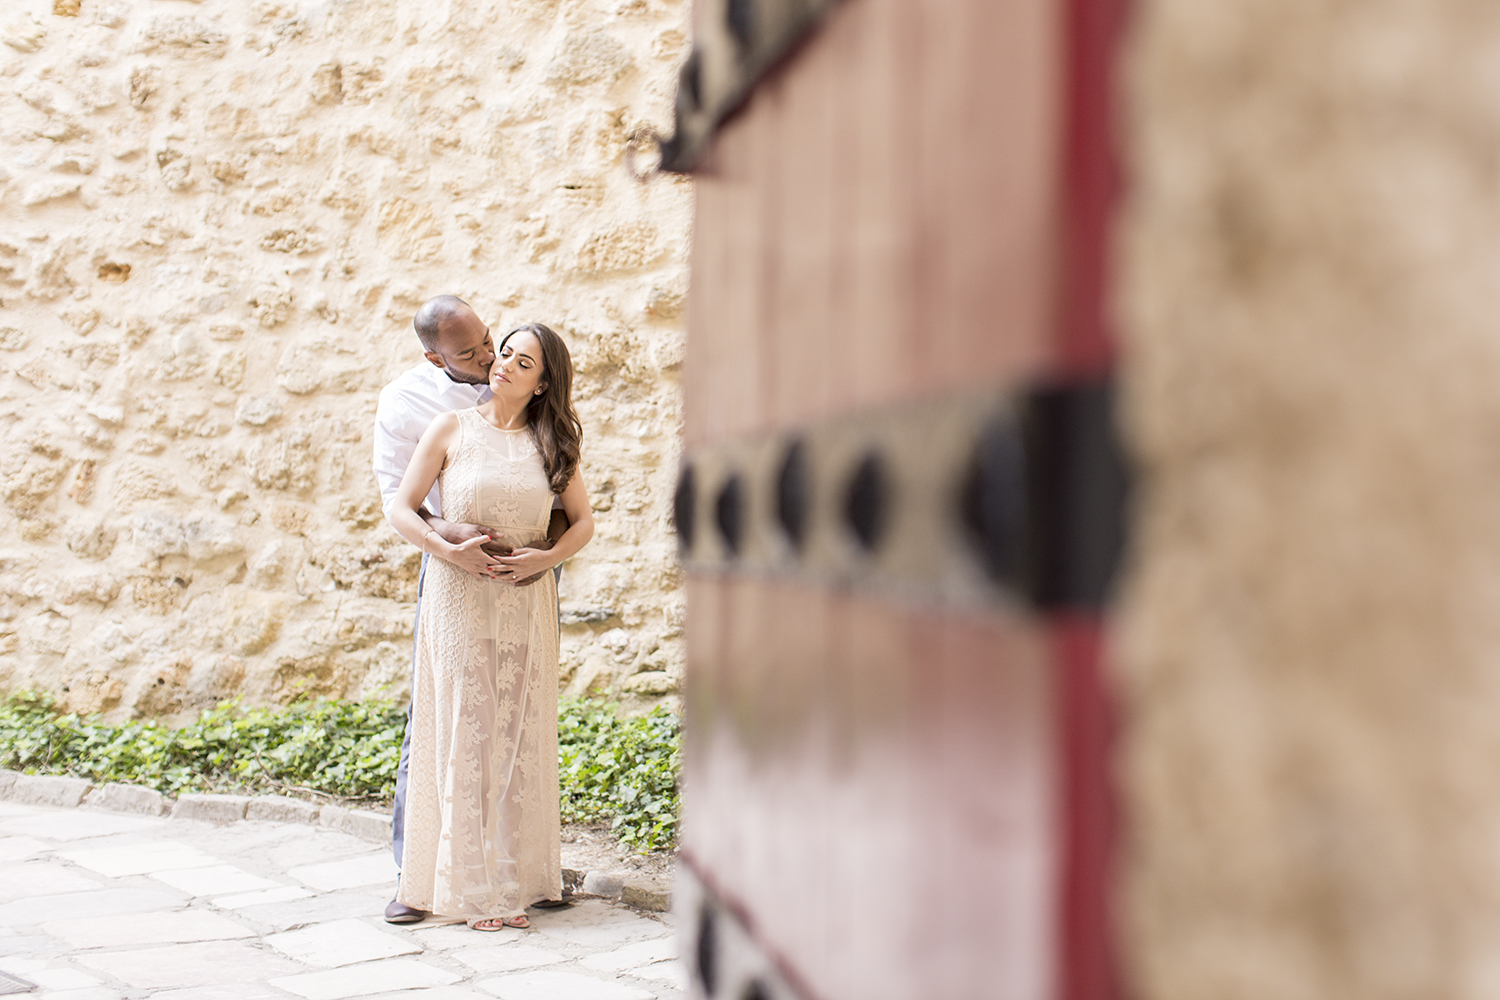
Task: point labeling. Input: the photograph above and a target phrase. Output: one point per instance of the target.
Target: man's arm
(398, 428)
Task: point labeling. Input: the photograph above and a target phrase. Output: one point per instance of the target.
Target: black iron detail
(705, 951)
(725, 961)
(739, 15)
(689, 97)
(992, 496)
(794, 494)
(684, 507)
(865, 505)
(729, 512)
(1077, 491)
(993, 501)
(741, 41)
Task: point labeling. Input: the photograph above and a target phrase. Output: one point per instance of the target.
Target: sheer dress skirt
(482, 802)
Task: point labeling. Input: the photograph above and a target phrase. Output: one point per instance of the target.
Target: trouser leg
(398, 808)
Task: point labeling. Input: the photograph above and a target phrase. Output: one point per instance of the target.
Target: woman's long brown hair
(554, 425)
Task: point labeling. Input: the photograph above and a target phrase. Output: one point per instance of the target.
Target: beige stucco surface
(1309, 650)
(216, 220)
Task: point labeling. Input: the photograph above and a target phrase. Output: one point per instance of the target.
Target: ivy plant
(622, 771)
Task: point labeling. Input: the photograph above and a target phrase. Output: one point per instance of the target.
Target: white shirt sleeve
(397, 431)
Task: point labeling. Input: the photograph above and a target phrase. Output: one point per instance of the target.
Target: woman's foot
(500, 923)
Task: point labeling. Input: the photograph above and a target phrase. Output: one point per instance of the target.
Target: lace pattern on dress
(482, 830)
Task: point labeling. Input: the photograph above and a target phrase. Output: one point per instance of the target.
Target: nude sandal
(490, 924)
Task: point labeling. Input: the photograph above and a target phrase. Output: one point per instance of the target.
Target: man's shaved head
(432, 315)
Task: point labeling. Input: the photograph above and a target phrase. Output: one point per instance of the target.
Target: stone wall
(216, 220)
(1310, 649)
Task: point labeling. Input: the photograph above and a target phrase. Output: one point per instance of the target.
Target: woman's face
(517, 371)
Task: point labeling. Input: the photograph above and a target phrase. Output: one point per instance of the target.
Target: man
(459, 352)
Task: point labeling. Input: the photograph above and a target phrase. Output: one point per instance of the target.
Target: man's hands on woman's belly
(495, 546)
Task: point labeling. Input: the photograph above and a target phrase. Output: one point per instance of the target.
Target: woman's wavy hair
(554, 424)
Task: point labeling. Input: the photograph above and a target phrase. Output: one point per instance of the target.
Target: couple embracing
(476, 455)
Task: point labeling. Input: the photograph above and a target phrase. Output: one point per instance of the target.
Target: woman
(482, 838)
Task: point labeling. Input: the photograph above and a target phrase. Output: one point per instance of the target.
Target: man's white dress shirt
(407, 405)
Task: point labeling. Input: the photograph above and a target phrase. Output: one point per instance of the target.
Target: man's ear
(435, 358)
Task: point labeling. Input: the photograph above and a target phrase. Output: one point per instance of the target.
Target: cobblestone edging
(72, 793)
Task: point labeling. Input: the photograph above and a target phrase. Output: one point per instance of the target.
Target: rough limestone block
(371, 826)
(572, 880)
(604, 884)
(646, 895)
(118, 797)
(280, 809)
(49, 790)
(211, 808)
(8, 782)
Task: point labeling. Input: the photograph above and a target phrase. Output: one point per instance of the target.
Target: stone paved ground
(104, 906)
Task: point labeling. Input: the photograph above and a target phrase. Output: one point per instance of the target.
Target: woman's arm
(426, 463)
(527, 562)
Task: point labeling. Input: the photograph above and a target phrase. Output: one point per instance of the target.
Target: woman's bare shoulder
(443, 424)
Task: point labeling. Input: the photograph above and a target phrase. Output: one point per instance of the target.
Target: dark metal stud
(1078, 485)
(793, 494)
(729, 510)
(866, 505)
(740, 15)
(684, 507)
(690, 84)
(993, 500)
(706, 952)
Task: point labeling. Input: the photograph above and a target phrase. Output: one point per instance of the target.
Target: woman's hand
(523, 565)
(470, 557)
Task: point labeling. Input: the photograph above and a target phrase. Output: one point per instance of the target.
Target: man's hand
(458, 532)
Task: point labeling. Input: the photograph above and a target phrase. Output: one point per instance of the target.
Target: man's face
(464, 348)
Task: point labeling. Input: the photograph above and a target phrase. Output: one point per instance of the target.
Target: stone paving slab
(672, 973)
(139, 858)
(214, 880)
(549, 985)
(73, 824)
(232, 991)
(105, 902)
(633, 955)
(340, 942)
(172, 927)
(315, 909)
(375, 868)
(510, 958)
(436, 993)
(20, 848)
(41, 878)
(142, 921)
(204, 964)
(262, 897)
(362, 980)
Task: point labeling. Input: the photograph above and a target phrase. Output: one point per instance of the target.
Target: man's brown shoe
(399, 913)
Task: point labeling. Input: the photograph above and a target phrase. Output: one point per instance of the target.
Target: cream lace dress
(482, 837)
